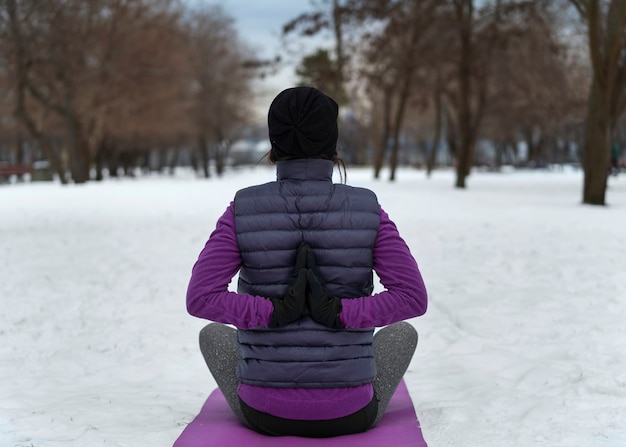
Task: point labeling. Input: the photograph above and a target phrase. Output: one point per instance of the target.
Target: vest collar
(304, 169)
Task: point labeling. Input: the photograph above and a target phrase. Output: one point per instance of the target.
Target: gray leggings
(394, 346)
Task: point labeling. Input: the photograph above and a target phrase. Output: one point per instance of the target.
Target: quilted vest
(340, 224)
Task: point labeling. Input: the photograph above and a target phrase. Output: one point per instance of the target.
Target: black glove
(291, 306)
(323, 308)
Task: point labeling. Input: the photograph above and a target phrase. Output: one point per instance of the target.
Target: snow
(522, 343)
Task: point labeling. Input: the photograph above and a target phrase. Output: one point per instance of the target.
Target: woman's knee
(401, 332)
(215, 335)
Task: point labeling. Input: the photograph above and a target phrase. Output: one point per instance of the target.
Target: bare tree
(478, 36)
(140, 89)
(333, 16)
(394, 61)
(531, 90)
(221, 85)
(17, 54)
(606, 31)
(70, 59)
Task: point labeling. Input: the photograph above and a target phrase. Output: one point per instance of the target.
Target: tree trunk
(606, 46)
(432, 155)
(113, 161)
(161, 159)
(49, 152)
(393, 162)
(79, 163)
(472, 94)
(221, 153)
(597, 147)
(397, 125)
(337, 28)
(467, 152)
(381, 149)
(129, 162)
(465, 155)
(99, 160)
(399, 119)
(203, 150)
(500, 150)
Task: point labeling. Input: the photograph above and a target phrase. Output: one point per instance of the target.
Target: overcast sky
(259, 23)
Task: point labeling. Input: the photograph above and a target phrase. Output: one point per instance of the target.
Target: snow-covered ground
(523, 343)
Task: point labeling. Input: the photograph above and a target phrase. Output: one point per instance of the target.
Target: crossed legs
(394, 346)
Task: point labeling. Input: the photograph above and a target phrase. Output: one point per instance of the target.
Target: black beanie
(302, 123)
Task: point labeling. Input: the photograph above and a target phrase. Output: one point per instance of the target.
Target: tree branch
(581, 6)
(615, 31)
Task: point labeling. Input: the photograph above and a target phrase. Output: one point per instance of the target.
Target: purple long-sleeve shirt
(208, 297)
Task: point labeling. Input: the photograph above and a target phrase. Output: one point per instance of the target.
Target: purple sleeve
(207, 294)
(404, 296)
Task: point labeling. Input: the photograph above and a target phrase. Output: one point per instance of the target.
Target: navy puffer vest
(340, 224)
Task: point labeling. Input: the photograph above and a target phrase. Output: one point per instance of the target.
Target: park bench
(7, 170)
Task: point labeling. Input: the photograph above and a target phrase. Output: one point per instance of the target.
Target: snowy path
(522, 343)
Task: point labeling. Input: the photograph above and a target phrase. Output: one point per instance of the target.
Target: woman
(303, 359)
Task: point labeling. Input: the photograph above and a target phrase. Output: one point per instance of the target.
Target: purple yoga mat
(216, 426)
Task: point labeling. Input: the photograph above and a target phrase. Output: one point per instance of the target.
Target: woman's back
(305, 354)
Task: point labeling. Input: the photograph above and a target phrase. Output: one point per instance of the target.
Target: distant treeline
(106, 86)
